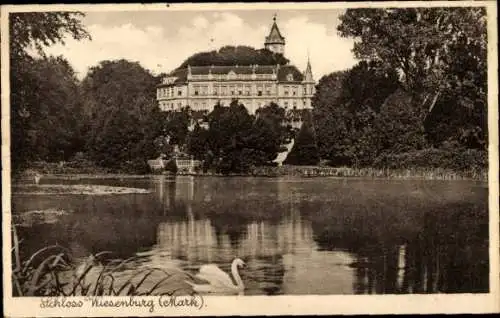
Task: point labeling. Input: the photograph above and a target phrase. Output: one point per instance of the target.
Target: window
(259, 93)
(196, 105)
(179, 105)
(204, 105)
(294, 90)
(240, 92)
(223, 90)
(196, 90)
(268, 89)
(294, 104)
(289, 77)
(286, 104)
(179, 92)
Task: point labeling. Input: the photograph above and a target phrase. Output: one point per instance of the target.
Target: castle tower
(275, 42)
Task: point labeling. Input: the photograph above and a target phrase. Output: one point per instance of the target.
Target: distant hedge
(456, 159)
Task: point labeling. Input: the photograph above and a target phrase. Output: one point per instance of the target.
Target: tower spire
(308, 76)
(275, 42)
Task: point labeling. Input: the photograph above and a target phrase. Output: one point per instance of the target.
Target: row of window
(205, 106)
(233, 75)
(244, 89)
(232, 90)
(169, 92)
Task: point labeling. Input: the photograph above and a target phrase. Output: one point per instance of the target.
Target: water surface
(298, 236)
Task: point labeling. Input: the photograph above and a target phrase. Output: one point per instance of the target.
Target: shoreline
(305, 172)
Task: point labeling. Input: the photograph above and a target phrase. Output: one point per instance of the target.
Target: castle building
(255, 86)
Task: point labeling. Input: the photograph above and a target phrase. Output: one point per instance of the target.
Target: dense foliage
(236, 141)
(235, 55)
(43, 100)
(122, 115)
(305, 149)
(419, 88)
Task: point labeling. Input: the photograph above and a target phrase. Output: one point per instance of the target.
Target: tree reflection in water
(436, 257)
(315, 236)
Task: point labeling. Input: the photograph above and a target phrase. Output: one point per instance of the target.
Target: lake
(297, 236)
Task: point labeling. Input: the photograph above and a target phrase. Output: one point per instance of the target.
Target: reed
(52, 271)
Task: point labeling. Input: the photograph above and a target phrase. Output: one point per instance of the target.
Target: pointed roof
(308, 77)
(275, 34)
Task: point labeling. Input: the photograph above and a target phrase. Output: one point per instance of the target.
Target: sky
(161, 40)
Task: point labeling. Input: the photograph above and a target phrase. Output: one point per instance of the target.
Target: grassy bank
(346, 172)
(480, 174)
(309, 172)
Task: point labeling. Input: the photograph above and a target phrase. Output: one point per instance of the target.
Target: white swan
(219, 282)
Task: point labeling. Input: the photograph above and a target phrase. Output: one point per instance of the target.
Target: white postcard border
(270, 305)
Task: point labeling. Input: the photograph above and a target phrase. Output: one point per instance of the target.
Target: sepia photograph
(160, 156)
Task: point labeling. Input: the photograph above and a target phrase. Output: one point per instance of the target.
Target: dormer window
(231, 74)
(289, 77)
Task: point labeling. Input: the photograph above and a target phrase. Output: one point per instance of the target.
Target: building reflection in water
(278, 252)
(293, 254)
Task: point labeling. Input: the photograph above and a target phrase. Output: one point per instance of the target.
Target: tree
(237, 140)
(197, 142)
(176, 126)
(42, 29)
(228, 128)
(235, 55)
(304, 151)
(54, 125)
(398, 125)
(440, 54)
(328, 118)
(277, 118)
(28, 30)
(345, 108)
(124, 118)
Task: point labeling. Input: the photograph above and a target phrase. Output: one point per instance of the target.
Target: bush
(137, 166)
(459, 159)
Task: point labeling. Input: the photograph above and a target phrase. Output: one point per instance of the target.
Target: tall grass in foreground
(51, 271)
